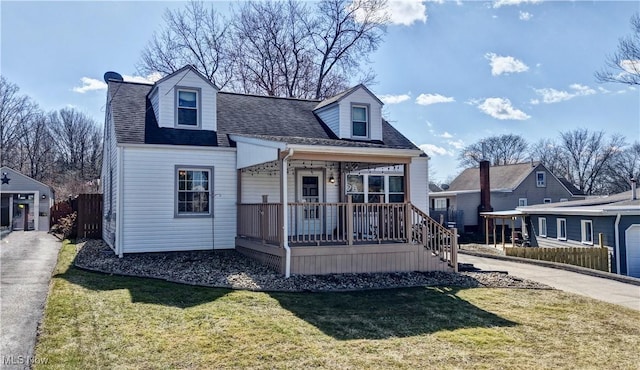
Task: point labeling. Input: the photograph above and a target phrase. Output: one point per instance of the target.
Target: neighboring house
(581, 222)
(188, 167)
(25, 202)
(511, 186)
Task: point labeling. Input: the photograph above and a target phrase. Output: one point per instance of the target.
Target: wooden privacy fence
(594, 258)
(88, 208)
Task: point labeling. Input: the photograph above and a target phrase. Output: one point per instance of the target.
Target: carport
(503, 216)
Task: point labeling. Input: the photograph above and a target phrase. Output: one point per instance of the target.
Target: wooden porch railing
(347, 223)
(435, 237)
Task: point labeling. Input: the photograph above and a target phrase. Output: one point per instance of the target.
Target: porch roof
(257, 149)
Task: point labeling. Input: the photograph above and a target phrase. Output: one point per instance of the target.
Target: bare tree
(345, 33)
(624, 65)
(39, 149)
(551, 155)
(623, 167)
(195, 35)
(16, 111)
(499, 150)
(275, 48)
(588, 155)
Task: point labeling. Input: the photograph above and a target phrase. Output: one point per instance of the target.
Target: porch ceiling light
(332, 179)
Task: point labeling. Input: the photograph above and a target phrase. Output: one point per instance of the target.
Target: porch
(346, 238)
(310, 208)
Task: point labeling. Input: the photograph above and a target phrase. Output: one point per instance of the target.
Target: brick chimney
(485, 188)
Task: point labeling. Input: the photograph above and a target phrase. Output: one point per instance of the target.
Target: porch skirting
(342, 259)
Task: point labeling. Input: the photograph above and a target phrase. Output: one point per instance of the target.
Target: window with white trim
(561, 231)
(522, 202)
(187, 106)
(375, 188)
(359, 121)
(440, 203)
(193, 191)
(546, 200)
(587, 231)
(541, 179)
(542, 226)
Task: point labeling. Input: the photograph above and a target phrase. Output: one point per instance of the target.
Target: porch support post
(284, 164)
(238, 199)
(513, 232)
(407, 182)
(349, 220)
(486, 230)
(502, 233)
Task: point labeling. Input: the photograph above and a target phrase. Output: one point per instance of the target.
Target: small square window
(546, 200)
(522, 202)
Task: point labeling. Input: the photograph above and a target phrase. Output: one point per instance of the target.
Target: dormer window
(359, 121)
(187, 107)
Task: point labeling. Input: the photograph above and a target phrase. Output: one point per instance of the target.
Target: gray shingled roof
(500, 177)
(281, 119)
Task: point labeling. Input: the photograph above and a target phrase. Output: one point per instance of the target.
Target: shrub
(66, 226)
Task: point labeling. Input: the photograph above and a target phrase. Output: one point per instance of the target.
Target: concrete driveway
(27, 260)
(599, 288)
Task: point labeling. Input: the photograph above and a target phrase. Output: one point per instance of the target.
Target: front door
(310, 190)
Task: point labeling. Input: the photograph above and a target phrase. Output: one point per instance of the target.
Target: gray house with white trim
(25, 202)
(511, 186)
(189, 167)
(580, 223)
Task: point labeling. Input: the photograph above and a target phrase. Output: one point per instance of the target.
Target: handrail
(435, 237)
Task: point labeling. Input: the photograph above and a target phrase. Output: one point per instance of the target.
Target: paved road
(27, 260)
(595, 287)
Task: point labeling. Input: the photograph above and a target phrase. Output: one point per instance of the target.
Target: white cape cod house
(308, 187)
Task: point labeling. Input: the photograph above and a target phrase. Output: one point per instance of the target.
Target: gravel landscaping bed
(230, 269)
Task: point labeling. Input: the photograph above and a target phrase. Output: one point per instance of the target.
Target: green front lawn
(95, 321)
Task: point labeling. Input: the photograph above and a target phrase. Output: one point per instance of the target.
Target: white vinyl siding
(361, 97)
(561, 229)
(331, 117)
(167, 100)
(148, 200)
(586, 231)
(109, 185)
(542, 227)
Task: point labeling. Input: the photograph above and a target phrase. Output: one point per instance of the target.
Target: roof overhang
(503, 214)
(584, 211)
(252, 151)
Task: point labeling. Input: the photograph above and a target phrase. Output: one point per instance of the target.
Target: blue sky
(450, 73)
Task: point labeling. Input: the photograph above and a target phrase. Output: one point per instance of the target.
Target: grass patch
(100, 321)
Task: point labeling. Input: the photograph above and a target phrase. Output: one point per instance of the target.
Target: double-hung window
(396, 189)
(561, 231)
(541, 179)
(187, 106)
(193, 191)
(587, 231)
(542, 225)
(359, 121)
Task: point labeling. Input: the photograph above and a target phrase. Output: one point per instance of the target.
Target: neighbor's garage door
(632, 237)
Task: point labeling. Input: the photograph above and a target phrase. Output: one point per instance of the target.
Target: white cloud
(432, 150)
(525, 16)
(631, 66)
(499, 3)
(502, 109)
(603, 90)
(535, 101)
(394, 99)
(500, 64)
(92, 84)
(403, 12)
(406, 12)
(458, 144)
(428, 99)
(551, 95)
(446, 135)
